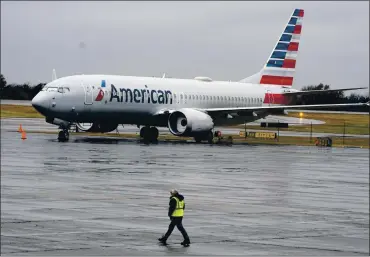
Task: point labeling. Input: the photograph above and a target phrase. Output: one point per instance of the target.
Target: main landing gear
(149, 134)
(63, 135)
(205, 137)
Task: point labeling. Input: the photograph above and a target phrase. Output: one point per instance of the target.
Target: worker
(176, 213)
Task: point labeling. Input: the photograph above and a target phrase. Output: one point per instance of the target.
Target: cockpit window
(60, 89)
(63, 89)
(51, 89)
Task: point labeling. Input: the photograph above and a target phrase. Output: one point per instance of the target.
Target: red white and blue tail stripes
(280, 67)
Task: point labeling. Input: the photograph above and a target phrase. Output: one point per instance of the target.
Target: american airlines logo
(100, 95)
(127, 95)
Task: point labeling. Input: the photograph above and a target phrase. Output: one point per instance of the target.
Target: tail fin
(279, 69)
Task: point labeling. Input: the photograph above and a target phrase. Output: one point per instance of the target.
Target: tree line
(27, 91)
(336, 97)
(24, 91)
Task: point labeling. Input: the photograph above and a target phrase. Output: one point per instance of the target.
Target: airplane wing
(264, 109)
(320, 91)
(280, 108)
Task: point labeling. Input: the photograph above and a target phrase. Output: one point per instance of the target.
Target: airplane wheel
(210, 137)
(198, 139)
(63, 136)
(66, 133)
(154, 133)
(144, 131)
(149, 134)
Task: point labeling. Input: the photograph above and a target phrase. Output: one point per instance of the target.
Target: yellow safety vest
(179, 211)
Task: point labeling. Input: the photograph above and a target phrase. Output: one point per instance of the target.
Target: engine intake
(189, 122)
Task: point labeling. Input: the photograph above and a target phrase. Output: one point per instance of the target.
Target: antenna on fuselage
(54, 75)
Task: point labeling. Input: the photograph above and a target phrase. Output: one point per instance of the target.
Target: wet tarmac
(105, 196)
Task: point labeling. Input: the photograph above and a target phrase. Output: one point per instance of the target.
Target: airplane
(187, 107)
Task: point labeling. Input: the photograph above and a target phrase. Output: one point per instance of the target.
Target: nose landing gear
(63, 135)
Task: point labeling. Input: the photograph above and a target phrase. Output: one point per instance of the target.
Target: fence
(343, 133)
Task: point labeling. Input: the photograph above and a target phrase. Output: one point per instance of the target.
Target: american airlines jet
(187, 107)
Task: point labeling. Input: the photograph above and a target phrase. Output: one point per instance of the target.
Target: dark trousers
(176, 221)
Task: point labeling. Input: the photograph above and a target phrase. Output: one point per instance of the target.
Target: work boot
(186, 242)
(162, 240)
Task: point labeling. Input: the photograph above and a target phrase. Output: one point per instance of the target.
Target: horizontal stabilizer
(321, 91)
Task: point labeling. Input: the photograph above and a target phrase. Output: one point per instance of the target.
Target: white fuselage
(136, 100)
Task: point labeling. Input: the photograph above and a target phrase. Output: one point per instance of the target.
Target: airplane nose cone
(40, 103)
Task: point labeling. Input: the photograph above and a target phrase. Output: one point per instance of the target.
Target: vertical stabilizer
(279, 69)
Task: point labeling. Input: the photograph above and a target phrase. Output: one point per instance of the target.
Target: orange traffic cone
(20, 129)
(23, 135)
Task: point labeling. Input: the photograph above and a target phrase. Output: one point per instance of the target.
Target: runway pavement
(99, 196)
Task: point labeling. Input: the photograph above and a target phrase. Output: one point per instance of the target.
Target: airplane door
(88, 94)
(270, 97)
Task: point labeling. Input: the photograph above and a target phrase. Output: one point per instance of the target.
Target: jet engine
(189, 122)
(97, 127)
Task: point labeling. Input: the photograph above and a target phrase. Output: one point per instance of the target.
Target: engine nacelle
(97, 127)
(189, 122)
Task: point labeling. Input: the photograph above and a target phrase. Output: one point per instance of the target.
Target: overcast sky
(221, 40)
